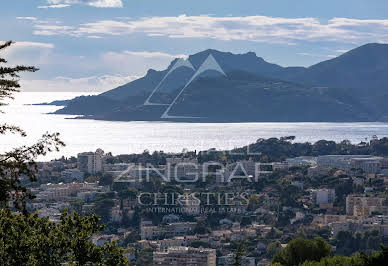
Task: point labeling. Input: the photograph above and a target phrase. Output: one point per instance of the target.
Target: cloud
(27, 18)
(248, 28)
(47, 30)
(342, 51)
(94, 3)
(155, 54)
(317, 55)
(28, 45)
(54, 6)
(28, 53)
(59, 73)
(137, 63)
(84, 84)
(32, 44)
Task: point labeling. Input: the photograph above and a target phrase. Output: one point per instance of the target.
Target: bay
(135, 137)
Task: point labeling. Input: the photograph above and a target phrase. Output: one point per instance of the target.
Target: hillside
(224, 87)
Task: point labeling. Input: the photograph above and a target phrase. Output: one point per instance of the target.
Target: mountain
(216, 86)
(365, 67)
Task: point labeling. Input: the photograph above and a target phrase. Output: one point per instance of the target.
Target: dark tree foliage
(348, 243)
(300, 250)
(240, 252)
(360, 259)
(30, 240)
(278, 149)
(316, 252)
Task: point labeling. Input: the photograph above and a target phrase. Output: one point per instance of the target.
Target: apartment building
(368, 163)
(185, 256)
(323, 196)
(301, 161)
(90, 162)
(362, 206)
(149, 231)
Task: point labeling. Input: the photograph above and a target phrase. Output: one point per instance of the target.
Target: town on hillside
(201, 206)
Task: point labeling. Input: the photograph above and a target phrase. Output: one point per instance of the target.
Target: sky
(96, 45)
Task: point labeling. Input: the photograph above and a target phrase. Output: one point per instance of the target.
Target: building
(149, 231)
(355, 226)
(72, 175)
(183, 169)
(384, 166)
(337, 161)
(90, 162)
(61, 191)
(317, 171)
(185, 256)
(360, 206)
(368, 163)
(228, 260)
(323, 196)
(116, 214)
(301, 161)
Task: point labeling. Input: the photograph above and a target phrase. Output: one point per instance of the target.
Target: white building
(323, 196)
(185, 256)
(90, 162)
(149, 231)
(301, 161)
(368, 163)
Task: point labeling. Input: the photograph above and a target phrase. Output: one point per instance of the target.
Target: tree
(106, 180)
(20, 161)
(300, 250)
(240, 252)
(273, 248)
(359, 259)
(201, 228)
(253, 203)
(30, 240)
(348, 243)
(336, 261)
(26, 239)
(144, 256)
(103, 208)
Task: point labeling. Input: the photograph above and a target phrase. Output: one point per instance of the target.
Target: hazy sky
(95, 45)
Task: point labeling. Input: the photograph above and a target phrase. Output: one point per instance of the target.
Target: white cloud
(110, 69)
(47, 30)
(28, 53)
(317, 55)
(137, 63)
(342, 51)
(94, 3)
(249, 28)
(86, 84)
(32, 44)
(27, 18)
(54, 6)
(155, 54)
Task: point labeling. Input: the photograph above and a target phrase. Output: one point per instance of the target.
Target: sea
(82, 135)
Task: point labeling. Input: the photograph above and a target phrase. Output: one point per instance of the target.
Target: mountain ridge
(354, 84)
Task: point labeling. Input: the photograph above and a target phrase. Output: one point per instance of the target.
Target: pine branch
(6, 44)
(12, 129)
(13, 71)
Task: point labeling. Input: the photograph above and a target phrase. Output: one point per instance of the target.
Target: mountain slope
(365, 67)
(351, 87)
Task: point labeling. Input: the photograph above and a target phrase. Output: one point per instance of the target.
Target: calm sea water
(135, 137)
